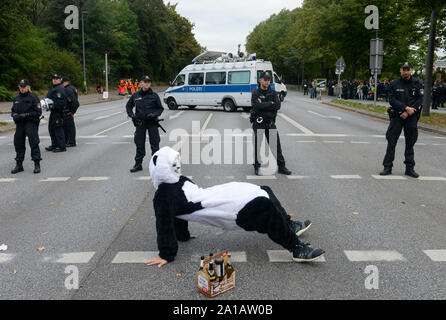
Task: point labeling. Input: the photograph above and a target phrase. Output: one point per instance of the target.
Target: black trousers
(56, 129)
(28, 129)
(268, 216)
(140, 139)
(258, 129)
(70, 130)
(409, 125)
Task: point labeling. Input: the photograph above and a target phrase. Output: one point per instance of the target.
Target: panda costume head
(165, 166)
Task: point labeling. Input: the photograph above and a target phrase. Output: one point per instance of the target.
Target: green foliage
(5, 95)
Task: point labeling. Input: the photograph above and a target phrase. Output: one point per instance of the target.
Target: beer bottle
(201, 263)
(219, 266)
(211, 272)
(229, 268)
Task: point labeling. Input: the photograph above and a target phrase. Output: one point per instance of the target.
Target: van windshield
(179, 80)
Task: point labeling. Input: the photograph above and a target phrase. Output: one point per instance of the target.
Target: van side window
(276, 79)
(179, 81)
(239, 77)
(196, 78)
(215, 78)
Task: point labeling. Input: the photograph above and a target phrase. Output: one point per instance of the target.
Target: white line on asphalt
(128, 136)
(108, 115)
(134, 256)
(121, 142)
(92, 137)
(297, 177)
(285, 256)
(432, 178)
(378, 177)
(261, 177)
(7, 179)
(326, 141)
(93, 178)
(176, 115)
(373, 255)
(297, 125)
(6, 257)
(144, 178)
(436, 255)
(56, 179)
(323, 116)
(363, 142)
(245, 115)
(303, 141)
(346, 176)
(71, 257)
(91, 143)
(206, 123)
(236, 256)
(316, 135)
(114, 127)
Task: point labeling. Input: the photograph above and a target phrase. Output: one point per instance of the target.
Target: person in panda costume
(229, 206)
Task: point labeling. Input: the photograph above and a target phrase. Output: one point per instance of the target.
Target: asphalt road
(87, 213)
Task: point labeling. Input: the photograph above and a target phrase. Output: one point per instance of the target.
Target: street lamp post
(83, 50)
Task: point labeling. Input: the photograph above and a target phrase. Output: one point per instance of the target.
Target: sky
(222, 25)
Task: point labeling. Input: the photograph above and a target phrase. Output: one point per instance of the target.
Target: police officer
(265, 104)
(405, 98)
(436, 94)
(148, 108)
(70, 127)
(58, 115)
(305, 88)
(26, 112)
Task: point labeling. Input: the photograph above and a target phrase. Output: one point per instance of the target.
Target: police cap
(407, 65)
(24, 83)
(56, 76)
(146, 78)
(65, 79)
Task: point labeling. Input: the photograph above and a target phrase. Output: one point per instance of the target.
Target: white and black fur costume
(230, 206)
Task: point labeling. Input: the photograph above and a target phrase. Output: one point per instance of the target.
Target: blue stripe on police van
(217, 88)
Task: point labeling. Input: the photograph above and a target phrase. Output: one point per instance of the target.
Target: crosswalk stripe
(436, 255)
(373, 255)
(134, 256)
(93, 178)
(72, 257)
(55, 179)
(285, 256)
(236, 256)
(432, 178)
(296, 177)
(378, 177)
(7, 179)
(6, 257)
(346, 176)
(261, 177)
(144, 178)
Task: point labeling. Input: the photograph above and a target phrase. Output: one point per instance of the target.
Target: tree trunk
(430, 62)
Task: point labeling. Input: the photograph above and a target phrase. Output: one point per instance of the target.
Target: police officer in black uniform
(26, 112)
(306, 88)
(265, 104)
(148, 108)
(70, 127)
(436, 94)
(58, 115)
(405, 98)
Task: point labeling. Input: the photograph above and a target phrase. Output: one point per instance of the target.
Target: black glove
(151, 117)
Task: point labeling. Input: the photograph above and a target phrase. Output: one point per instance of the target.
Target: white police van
(223, 82)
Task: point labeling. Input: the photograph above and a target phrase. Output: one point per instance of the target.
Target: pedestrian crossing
(273, 256)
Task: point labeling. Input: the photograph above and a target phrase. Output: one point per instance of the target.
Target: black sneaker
(69, 145)
(300, 227)
(136, 167)
(36, 167)
(386, 172)
(50, 148)
(284, 170)
(411, 173)
(303, 253)
(59, 150)
(18, 168)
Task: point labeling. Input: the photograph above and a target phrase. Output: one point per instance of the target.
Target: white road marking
(134, 256)
(108, 115)
(316, 135)
(363, 142)
(206, 123)
(326, 141)
(6, 257)
(432, 178)
(91, 143)
(285, 256)
(176, 115)
(93, 178)
(121, 142)
(236, 256)
(436, 255)
(92, 137)
(296, 177)
(261, 177)
(7, 179)
(71, 257)
(323, 116)
(390, 177)
(346, 176)
(373, 255)
(55, 179)
(297, 125)
(245, 115)
(304, 141)
(144, 178)
(114, 127)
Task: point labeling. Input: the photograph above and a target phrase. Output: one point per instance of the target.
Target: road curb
(423, 126)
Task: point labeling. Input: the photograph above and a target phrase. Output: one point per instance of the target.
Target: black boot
(137, 167)
(284, 170)
(411, 173)
(36, 166)
(386, 171)
(18, 167)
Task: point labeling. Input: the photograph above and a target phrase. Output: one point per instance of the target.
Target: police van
(224, 81)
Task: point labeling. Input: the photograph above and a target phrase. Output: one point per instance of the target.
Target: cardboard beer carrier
(213, 288)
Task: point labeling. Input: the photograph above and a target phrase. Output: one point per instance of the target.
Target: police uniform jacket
(60, 98)
(26, 107)
(147, 105)
(265, 109)
(72, 98)
(404, 93)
